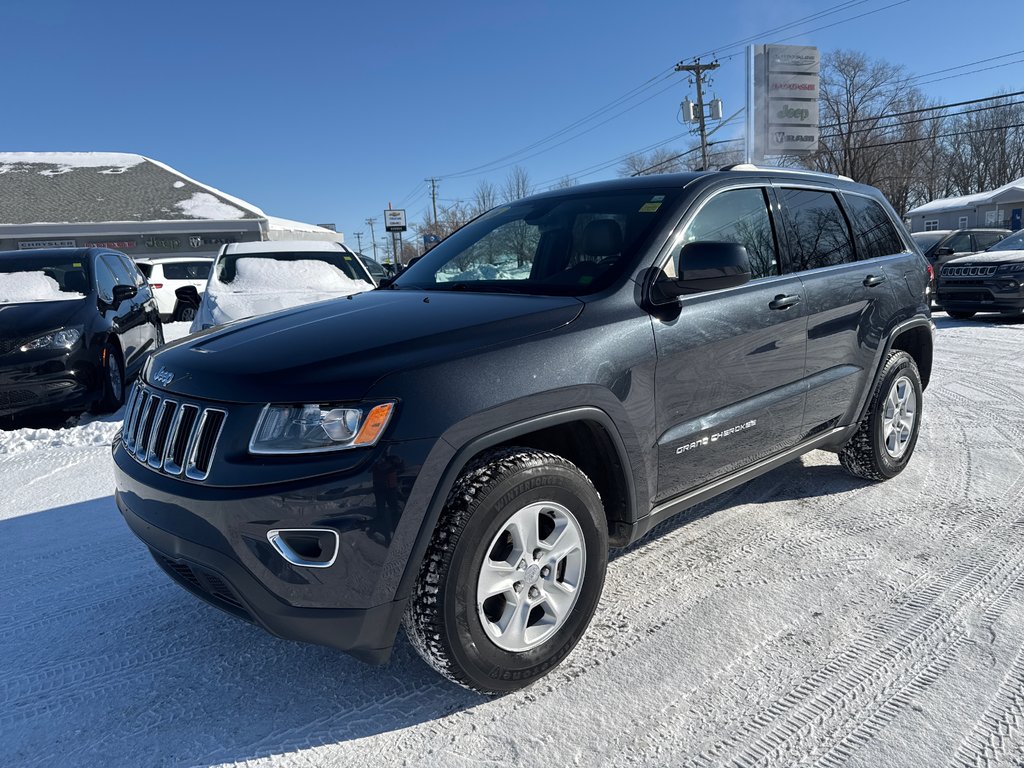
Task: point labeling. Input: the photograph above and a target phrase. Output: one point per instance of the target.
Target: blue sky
(326, 112)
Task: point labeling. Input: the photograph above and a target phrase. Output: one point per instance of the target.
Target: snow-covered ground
(807, 617)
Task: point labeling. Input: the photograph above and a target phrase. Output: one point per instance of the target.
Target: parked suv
(458, 450)
(166, 276)
(992, 281)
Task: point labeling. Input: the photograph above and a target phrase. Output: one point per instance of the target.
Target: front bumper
(992, 294)
(213, 542)
(37, 382)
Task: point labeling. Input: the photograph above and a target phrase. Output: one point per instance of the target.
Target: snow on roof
(276, 222)
(203, 205)
(968, 201)
(284, 246)
(114, 162)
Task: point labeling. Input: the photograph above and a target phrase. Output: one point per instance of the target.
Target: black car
(75, 325)
(991, 281)
(375, 268)
(941, 245)
(458, 450)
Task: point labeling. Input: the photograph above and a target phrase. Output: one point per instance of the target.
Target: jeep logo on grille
(163, 377)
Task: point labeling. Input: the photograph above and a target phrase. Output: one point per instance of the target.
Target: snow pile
(264, 285)
(21, 287)
(486, 272)
(90, 430)
(175, 331)
(203, 205)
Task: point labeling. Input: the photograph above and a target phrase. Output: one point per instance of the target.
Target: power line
(972, 72)
(681, 154)
(903, 123)
(941, 136)
(961, 66)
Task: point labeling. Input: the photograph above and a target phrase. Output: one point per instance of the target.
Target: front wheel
(112, 380)
(513, 573)
(885, 438)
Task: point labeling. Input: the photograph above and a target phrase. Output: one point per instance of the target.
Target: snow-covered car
(250, 279)
(165, 276)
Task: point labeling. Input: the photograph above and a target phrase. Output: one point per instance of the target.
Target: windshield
(57, 279)
(572, 244)
(926, 240)
(289, 271)
(1014, 242)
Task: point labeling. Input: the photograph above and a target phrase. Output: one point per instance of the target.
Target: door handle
(782, 301)
(872, 280)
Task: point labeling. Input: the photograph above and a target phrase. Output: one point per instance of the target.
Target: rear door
(727, 386)
(848, 285)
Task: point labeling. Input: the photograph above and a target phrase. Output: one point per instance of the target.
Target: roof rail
(774, 169)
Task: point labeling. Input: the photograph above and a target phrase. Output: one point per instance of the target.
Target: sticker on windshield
(650, 207)
(76, 264)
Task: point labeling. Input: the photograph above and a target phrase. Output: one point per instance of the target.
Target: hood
(986, 257)
(26, 321)
(335, 350)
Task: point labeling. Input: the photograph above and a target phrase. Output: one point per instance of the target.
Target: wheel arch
(917, 341)
(561, 432)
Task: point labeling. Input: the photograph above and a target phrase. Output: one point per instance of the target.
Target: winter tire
(184, 314)
(961, 315)
(513, 573)
(886, 436)
(112, 380)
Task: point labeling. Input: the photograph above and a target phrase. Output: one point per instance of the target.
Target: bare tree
(517, 185)
(565, 182)
(485, 197)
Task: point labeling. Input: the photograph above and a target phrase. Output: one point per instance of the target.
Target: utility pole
(433, 199)
(697, 70)
(373, 237)
(359, 241)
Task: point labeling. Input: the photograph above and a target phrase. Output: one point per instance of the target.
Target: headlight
(65, 338)
(317, 428)
(1017, 267)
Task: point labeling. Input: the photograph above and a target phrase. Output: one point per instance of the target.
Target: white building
(999, 208)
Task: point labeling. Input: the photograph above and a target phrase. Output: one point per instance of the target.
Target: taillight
(931, 274)
(161, 285)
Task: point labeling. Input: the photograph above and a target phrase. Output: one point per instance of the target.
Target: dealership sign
(394, 221)
(783, 100)
(46, 244)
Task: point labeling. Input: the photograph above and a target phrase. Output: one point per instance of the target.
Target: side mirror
(188, 296)
(707, 266)
(124, 293)
(944, 251)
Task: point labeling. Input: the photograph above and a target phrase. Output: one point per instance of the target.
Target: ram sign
(783, 100)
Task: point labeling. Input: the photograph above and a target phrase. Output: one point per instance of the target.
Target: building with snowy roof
(999, 208)
(128, 202)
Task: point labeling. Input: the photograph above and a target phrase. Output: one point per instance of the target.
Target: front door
(728, 382)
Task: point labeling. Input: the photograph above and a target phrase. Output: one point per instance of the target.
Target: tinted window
(187, 270)
(121, 274)
(876, 236)
(960, 243)
(146, 269)
(738, 216)
(818, 234)
(983, 240)
(104, 281)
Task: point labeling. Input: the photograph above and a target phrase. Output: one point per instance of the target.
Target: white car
(250, 279)
(166, 275)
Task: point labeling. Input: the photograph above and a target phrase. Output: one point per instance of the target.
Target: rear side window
(875, 233)
(818, 234)
(187, 270)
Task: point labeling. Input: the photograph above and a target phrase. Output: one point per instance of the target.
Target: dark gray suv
(457, 450)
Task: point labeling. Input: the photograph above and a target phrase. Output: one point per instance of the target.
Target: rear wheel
(185, 314)
(961, 315)
(112, 380)
(885, 438)
(513, 573)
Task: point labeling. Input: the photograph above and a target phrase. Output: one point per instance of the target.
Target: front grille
(204, 584)
(171, 436)
(968, 271)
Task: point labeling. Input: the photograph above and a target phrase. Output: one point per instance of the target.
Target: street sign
(394, 220)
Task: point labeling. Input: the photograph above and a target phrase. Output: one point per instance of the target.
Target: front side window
(105, 281)
(122, 275)
(818, 233)
(960, 243)
(737, 216)
(876, 236)
(569, 245)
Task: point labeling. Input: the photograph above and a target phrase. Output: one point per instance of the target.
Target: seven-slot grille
(169, 435)
(968, 271)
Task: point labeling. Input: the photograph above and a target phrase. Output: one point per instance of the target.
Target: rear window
(876, 236)
(306, 266)
(187, 270)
